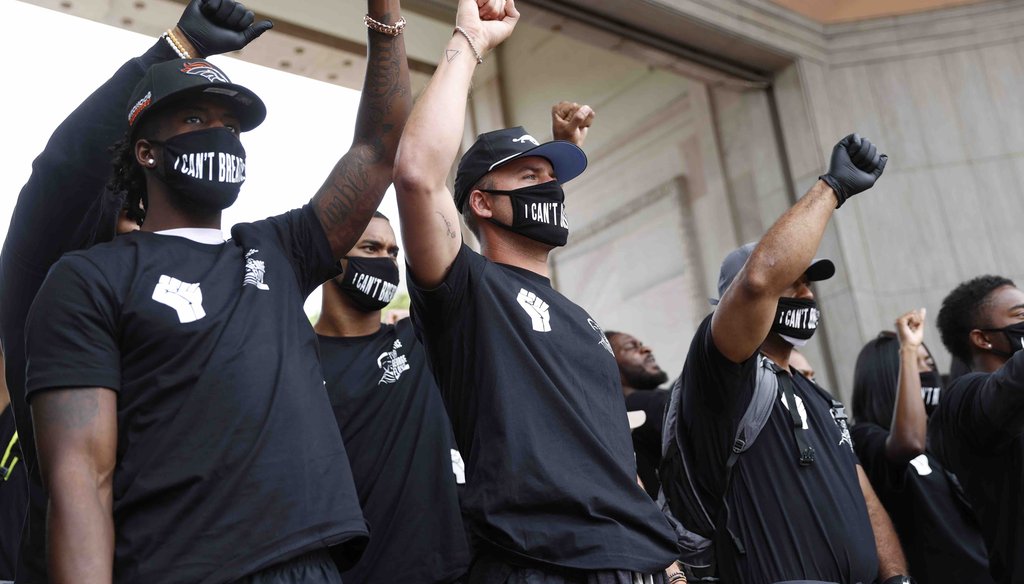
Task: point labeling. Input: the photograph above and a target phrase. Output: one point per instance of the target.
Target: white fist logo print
(536, 308)
(185, 298)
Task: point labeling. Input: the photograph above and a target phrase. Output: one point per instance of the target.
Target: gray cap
(820, 268)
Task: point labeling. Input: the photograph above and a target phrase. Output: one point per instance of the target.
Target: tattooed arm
(430, 221)
(346, 201)
(76, 437)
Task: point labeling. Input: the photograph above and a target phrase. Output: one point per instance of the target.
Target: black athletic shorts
(490, 570)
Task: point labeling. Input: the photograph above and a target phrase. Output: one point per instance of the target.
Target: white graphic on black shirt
(392, 364)
(921, 465)
(603, 340)
(254, 271)
(536, 308)
(458, 467)
(844, 430)
(799, 408)
(185, 298)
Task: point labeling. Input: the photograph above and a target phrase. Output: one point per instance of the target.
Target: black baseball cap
(820, 269)
(499, 147)
(170, 81)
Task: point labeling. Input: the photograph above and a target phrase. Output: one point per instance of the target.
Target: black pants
(491, 570)
(312, 568)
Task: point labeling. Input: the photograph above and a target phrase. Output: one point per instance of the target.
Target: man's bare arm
(76, 437)
(430, 221)
(891, 561)
(353, 191)
(744, 315)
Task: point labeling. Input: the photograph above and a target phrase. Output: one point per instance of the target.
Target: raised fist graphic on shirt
(536, 308)
(185, 298)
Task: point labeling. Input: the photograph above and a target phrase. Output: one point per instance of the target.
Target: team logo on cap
(204, 69)
(526, 138)
(139, 106)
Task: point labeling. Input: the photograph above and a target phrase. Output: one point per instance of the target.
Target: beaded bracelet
(388, 29)
(677, 577)
(175, 44)
(472, 45)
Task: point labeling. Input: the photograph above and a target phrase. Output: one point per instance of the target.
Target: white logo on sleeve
(458, 467)
(392, 364)
(536, 308)
(254, 271)
(185, 298)
(602, 339)
(921, 465)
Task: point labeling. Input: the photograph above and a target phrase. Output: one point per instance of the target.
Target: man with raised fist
(528, 376)
(782, 499)
(63, 207)
(182, 427)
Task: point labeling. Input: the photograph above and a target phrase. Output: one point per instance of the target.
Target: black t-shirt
(61, 208)
(228, 458)
(938, 530)
(13, 494)
(647, 438)
(796, 522)
(978, 429)
(400, 446)
(533, 393)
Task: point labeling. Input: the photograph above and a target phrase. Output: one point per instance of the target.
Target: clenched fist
(855, 166)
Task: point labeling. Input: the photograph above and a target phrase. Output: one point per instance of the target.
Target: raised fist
(855, 166)
(220, 26)
(487, 22)
(570, 121)
(910, 328)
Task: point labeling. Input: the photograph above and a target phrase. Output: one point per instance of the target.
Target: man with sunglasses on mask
(796, 506)
(528, 377)
(978, 429)
(181, 423)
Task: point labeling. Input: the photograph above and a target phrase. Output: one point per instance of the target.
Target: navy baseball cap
(170, 81)
(820, 269)
(499, 147)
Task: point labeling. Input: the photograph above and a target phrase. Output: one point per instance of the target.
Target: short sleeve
(71, 334)
(304, 241)
(719, 383)
(869, 445)
(985, 410)
(431, 307)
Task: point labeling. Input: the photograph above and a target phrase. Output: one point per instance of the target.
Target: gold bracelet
(175, 44)
(388, 29)
(472, 45)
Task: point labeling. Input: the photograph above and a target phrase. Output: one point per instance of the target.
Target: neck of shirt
(205, 235)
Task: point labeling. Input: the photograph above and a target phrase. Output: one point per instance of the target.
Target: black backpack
(706, 545)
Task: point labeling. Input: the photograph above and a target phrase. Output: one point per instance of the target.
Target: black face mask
(538, 212)
(931, 389)
(796, 319)
(1014, 335)
(206, 168)
(370, 283)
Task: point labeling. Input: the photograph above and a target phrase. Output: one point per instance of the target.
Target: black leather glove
(854, 168)
(220, 26)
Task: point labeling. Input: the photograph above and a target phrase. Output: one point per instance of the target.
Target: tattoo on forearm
(357, 183)
(447, 225)
(67, 408)
(450, 54)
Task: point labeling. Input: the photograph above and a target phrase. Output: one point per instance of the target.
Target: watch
(901, 579)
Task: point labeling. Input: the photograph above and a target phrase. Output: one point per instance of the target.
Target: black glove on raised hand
(854, 168)
(220, 26)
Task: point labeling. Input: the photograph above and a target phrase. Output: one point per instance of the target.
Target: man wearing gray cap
(792, 507)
